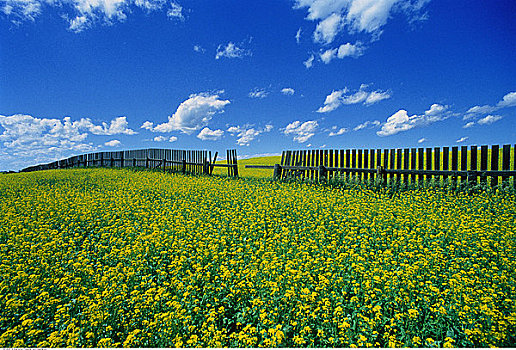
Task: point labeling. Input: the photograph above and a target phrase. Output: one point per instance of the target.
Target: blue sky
(80, 76)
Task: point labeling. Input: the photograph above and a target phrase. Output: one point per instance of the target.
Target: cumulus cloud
(401, 121)
(113, 143)
(421, 140)
(192, 114)
(247, 133)
(509, 100)
(82, 14)
(469, 125)
(345, 50)
(309, 62)
(338, 98)
(336, 131)
(288, 91)
(230, 50)
(302, 132)
(207, 134)
(30, 140)
(462, 139)
(172, 139)
(356, 16)
(489, 119)
(159, 139)
(258, 93)
(367, 124)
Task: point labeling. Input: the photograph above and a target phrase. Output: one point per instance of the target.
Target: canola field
(118, 258)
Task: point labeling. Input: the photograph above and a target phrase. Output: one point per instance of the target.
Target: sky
(81, 76)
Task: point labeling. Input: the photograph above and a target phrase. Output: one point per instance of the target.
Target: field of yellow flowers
(111, 258)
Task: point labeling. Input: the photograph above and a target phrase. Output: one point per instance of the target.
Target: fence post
(147, 161)
(122, 160)
(322, 173)
(184, 166)
(277, 172)
(381, 176)
(134, 162)
(164, 163)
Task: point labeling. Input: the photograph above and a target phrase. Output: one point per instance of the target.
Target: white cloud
(481, 109)
(508, 100)
(377, 96)
(302, 132)
(298, 35)
(231, 51)
(175, 11)
(344, 50)
(247, 133)
(288, 91)
(338, 98)
(462, 139)
(159, 138)
(309, 62)
(469, 125)
(207, 134)
(113, 143)
(147, 125)
(172, 139)
(117, 126)
(338, 132)
(367, 124)
(350, 50)
(356, 16)
(82, 14)
(421, 140)
(401, 121)
(192, 114)
(332, 101)
(328, 55)
(199, 48)
(490, 119)
(328, 28)
(258, 93)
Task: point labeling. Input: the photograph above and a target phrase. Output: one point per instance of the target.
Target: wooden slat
(446, 161)
(398, 162)
(341, 161)
(372, 164)
(463, 161)
(353, 162)
(406, 163)
(437, 160)
(359, 164)
(506, 160)
(454, 161)
(483, 162)
(385, 162)
(420, 164)
(495, 156)
(473, 163)
(428, 163)
(514, 166)
(366, 163)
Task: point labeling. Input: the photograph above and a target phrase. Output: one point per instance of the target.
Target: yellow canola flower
(112, 258)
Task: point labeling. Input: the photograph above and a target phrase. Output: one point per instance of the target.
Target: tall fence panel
(173, 160)
(492, 165)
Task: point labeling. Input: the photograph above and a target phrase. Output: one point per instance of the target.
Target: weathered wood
(445, 161)
(473, 165)
(454, 162)
(495, 155)
(463, 161)
(506, 161)
(277, 171)
(359, 164)
(437, 160)
(353, 162)
(483, 161)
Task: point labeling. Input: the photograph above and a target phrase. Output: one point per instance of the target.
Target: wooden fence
(407, 165)
(185, 161)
